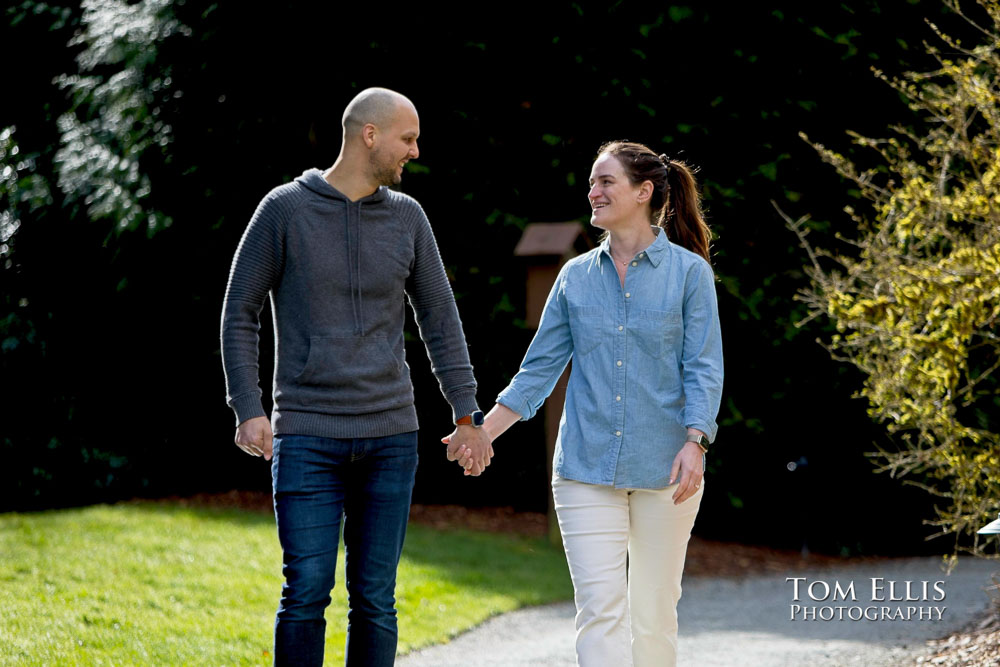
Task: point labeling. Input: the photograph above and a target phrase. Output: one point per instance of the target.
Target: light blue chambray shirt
(647, 363)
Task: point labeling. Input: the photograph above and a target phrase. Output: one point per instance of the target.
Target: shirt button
(619, 362)
(642, 254)
(618, 398)
(620, 327)
(628, 294)
(618, 432)
(635, 263)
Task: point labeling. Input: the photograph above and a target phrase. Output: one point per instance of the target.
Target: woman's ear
(645, 192)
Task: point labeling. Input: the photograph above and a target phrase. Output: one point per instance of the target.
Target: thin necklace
(624, 263)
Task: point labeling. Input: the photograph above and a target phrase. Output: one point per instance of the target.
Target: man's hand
(689, 464)
(254, 437)
(471, 447)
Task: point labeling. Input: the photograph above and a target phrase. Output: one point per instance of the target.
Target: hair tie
(665, 161)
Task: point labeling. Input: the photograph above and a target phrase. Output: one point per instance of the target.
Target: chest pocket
(585, 327)
(657, 331)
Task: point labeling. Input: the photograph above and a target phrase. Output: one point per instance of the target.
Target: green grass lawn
(154, 584)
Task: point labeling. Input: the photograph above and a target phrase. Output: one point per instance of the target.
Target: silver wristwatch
(699, 440)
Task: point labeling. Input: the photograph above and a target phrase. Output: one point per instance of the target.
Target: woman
(638, 315)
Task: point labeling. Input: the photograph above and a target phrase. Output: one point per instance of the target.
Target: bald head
(377, 106)
(381, 128)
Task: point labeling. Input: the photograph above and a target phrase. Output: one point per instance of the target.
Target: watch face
(478, 418)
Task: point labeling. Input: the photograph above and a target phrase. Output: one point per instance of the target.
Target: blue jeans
(368, 481)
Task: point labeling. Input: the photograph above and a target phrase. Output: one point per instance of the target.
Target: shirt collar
(656, 251)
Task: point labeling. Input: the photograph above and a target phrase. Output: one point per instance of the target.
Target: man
(336, 251)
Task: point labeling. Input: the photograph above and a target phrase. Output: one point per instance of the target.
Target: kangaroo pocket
(352, 374)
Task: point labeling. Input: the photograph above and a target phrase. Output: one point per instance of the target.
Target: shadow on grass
(230, 515)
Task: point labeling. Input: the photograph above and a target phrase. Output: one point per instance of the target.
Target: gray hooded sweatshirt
(337, 271)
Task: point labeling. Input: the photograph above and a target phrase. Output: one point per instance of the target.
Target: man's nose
(414, 152)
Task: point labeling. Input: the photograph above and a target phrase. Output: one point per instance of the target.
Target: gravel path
(747, 621)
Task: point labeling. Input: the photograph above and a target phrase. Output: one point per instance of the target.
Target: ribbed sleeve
(256, 268)
(436, 314)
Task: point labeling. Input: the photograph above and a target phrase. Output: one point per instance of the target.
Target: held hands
(254, 437)
(471, 447)
(690, 465)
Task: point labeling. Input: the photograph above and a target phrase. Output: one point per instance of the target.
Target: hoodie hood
(314, 181)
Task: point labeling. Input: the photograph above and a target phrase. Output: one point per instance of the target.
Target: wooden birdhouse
(546, 246)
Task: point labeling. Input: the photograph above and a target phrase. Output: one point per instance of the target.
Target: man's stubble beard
(383, 169)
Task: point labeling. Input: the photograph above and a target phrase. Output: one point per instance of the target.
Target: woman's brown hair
(676, 201)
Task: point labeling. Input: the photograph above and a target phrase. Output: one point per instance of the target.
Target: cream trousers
(624, 615)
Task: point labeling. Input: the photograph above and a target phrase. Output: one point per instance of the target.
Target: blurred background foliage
(138, 137)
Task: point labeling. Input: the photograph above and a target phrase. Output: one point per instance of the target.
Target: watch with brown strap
(476, 419)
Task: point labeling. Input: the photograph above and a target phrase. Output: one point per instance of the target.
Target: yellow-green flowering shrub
(916, 303)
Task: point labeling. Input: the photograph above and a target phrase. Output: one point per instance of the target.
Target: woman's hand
(689, 464)
(471, 447)
(497, 421)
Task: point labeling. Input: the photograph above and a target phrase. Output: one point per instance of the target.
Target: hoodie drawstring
(314, 180)
(350, 273)
(361, 311)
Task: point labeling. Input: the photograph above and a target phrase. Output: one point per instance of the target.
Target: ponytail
(681, 215)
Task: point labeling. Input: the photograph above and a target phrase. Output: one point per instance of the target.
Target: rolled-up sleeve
(701, 357)
(549, 352)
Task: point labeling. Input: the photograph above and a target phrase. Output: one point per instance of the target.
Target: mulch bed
(975, 646)
(730, 559)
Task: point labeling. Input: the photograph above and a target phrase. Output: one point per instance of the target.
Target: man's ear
(368, 133)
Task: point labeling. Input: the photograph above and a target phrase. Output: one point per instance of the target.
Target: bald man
(337, 251)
